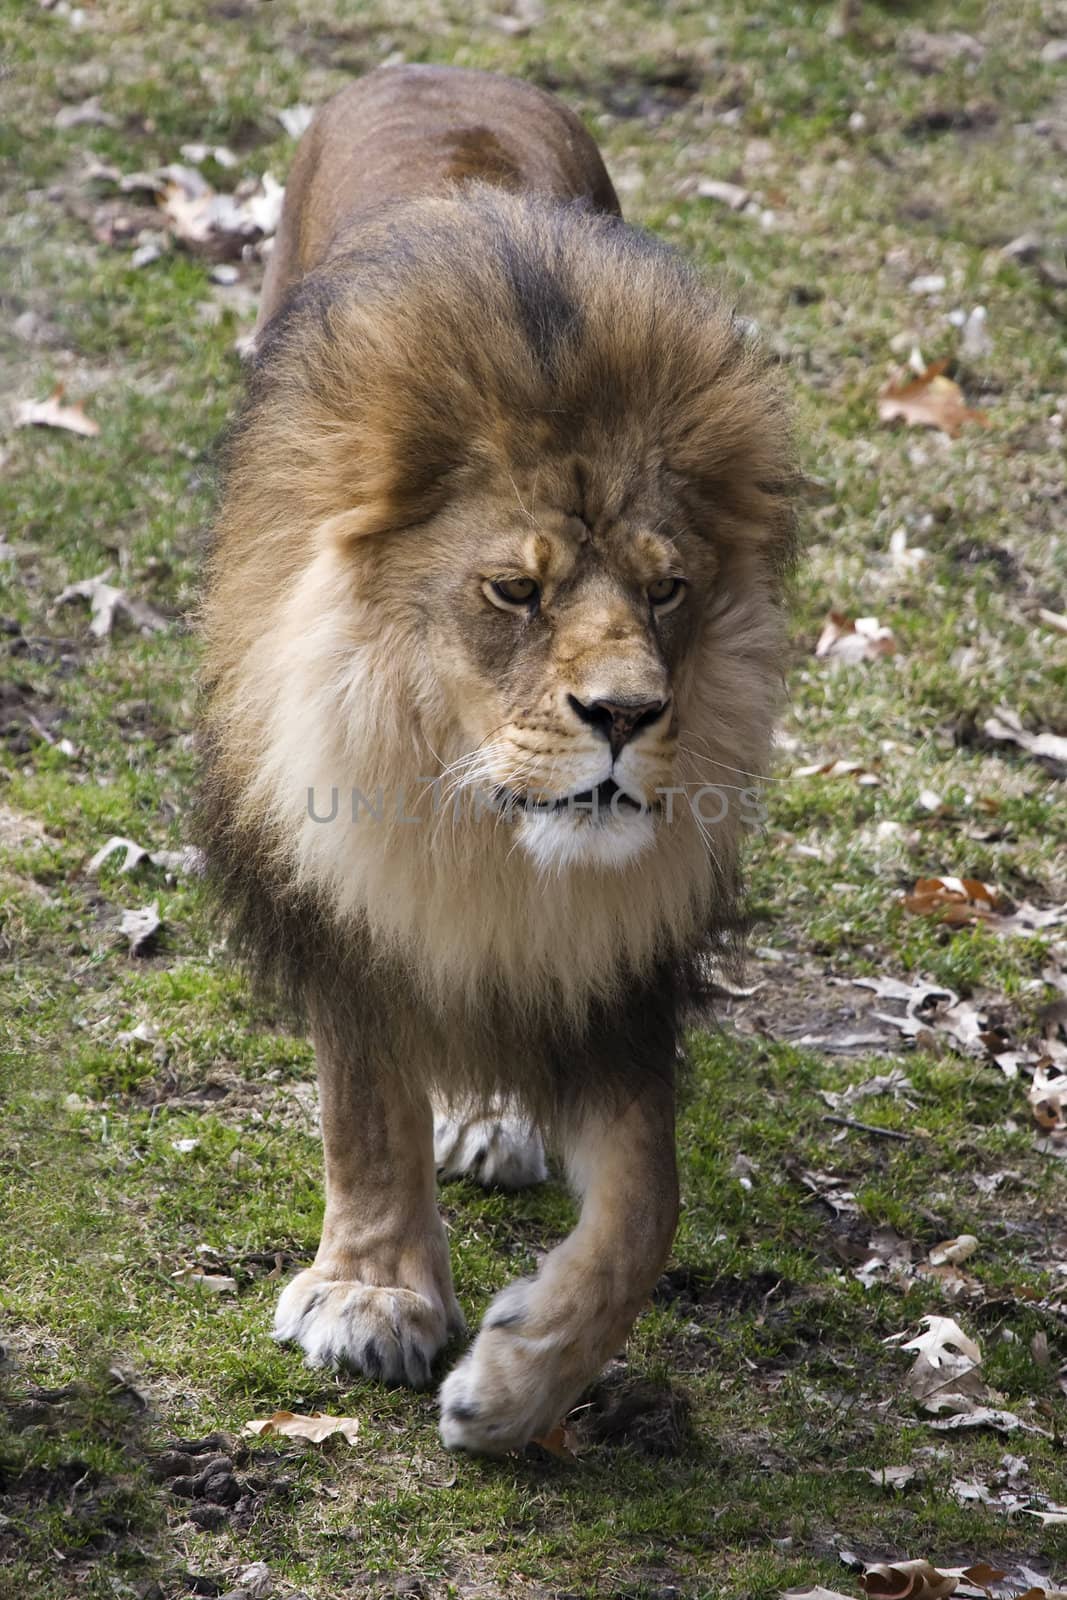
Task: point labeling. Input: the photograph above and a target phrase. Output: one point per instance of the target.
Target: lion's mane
(449, 336)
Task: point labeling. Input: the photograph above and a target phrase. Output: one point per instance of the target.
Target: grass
(727, 1454)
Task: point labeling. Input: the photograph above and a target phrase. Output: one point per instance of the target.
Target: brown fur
(468, 366)
(414, 130)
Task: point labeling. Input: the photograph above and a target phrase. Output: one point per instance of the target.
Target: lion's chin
(558, 840)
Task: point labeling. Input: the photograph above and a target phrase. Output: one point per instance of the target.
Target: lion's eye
(666, 593)
(512, 593)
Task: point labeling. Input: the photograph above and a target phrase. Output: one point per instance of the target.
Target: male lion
(492, 610)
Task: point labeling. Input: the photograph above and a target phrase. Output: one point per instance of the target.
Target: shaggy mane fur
(449, 341)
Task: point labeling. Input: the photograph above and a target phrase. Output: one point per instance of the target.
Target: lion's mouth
(608, 799)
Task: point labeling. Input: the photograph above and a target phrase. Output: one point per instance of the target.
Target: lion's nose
(619, 720)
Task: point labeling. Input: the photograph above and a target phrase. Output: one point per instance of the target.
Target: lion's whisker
(761, 777)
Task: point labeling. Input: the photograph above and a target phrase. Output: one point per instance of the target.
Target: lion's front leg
(545, 1338)
(379, 1296)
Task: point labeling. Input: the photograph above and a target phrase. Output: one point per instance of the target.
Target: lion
(493, 648)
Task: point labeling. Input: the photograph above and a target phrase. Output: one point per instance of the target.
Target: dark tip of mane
(549, 316)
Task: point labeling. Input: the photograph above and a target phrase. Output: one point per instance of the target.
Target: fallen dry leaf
(842, 1041)
(51, 413)
(919, 1580)
(1051, 619)
(199, 153)
(214, 224)
(295, 119)
(891, 1477)
(727, 194)
(928, 401)
(1006, 728)
(981, 1574)
(211, 223)
(140, 928)
(832, 1191)
(943, 1343)
(107, 603)
(138, 185)
(316, 1426)
(854, 639)
(840, 769)
(988, 1183)
(1027, 918)
(189, 859)
(915, 995)
(905, 557)
(150, 249)
(954, 1384)
(935, 1016)
(145, 1033)
(255, 1582)
(970, 1492)
(1024, 247)
(945, 1374)
(560, 1441)
(906, 1580)
(213, 1282)
(89, 113)
(264, 205)
(961, 902)
(975, 343)
(523, 17)
(895, 1083)
(953, 1251)
(1048, 1098)
(889, 1256)
(953, 900)
(818, 1593)
(986, 1417)
(77, 1102)
(953, 1282)
(744, 1169)
(135, 854)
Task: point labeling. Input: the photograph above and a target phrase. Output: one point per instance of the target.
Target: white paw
(504, 1152)
(515, 1383)
(392, 1334)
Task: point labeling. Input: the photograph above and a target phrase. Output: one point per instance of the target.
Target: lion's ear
(389, 510)
(376, 516)
(393, 486)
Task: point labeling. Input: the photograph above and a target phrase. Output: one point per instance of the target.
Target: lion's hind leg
(495, 1146)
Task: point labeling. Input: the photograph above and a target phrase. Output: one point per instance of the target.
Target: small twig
(867, 1127)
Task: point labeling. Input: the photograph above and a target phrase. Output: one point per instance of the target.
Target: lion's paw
(502, 1152)
(515, 1383)
(391, 1334)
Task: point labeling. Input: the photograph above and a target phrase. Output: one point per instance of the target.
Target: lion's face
(558, 645)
